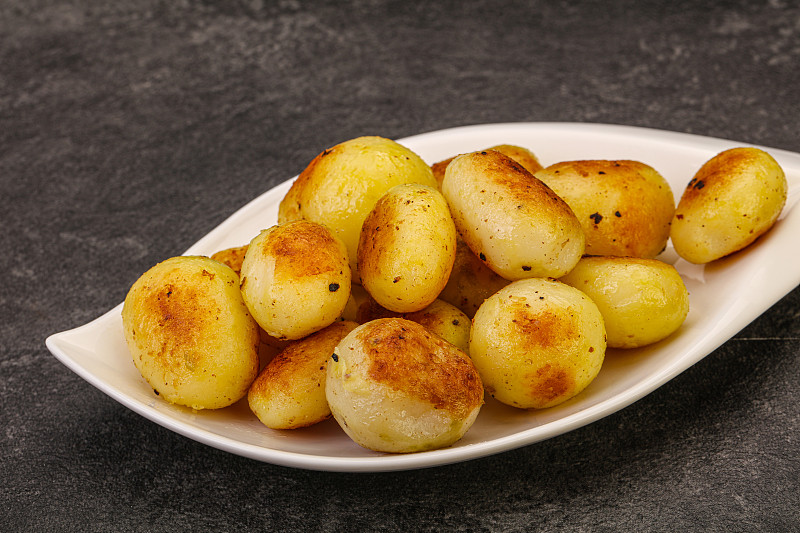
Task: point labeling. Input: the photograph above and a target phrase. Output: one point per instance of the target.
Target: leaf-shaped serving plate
(725, 296)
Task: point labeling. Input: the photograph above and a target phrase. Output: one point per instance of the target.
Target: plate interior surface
(724, 297)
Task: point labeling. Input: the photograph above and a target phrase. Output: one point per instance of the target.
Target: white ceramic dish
(725, 297)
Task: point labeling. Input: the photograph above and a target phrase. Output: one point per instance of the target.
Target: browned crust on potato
(541, 329)
(529, 192)
(302, 249)
(305, 358)
(550, 382)
(720, 173)
(521, 155)
(232, 257)
(633, 211)
(406, 357)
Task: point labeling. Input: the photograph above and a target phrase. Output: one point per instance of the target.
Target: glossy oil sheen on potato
(341, 185)
(407, 248)
(395, 387)
(537, 343)
(295, 279)
(440, 317)
(510, 219)
(732, 200)
(521, 155)
(289, 393)
(190, 333)
(625, 207)
(642, 300)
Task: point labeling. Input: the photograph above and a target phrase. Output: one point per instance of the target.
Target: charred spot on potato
(333, 287)
(596, 217)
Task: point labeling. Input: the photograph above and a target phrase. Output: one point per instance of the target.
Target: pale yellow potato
(470, 281)
(521, 155)
(190, 334)
(393, 386)
(625, 207)
(734, 198)
(295, 279)
(233, 257)
(407, 248)
(440, 317)
(642, 300)
(537, 343)
(289, 393)
(509, 218)
(341, 185)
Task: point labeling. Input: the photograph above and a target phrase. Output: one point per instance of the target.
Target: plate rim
(58, 343)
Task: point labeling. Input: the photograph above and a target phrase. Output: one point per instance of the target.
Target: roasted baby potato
(537, 343)
(295, 279)
(733, 199)
(289, 392)
(510, 219)
(642, 300)
(521, 155)
(393, 386)
(341, 185)
(470, 281)
(233, 257)
(625, 207)
(407, 248)
(190, 334)
(440, 317)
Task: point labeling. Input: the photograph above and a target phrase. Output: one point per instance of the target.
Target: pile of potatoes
(394, 294)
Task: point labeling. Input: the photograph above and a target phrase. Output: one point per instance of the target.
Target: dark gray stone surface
(128, 130)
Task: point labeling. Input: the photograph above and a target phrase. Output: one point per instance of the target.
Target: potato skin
(190, 334)
(395, 387)
(295, 279)
(625, 207)
(521, 155)
(510, 219)
(341, 185)
(407, 247)
(233, 257)
(537, 343)
(470, 281)
(289, 393)
(440, 317)
(733, 199)
(642, 300)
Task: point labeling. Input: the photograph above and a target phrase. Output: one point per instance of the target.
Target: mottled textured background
(128, 130)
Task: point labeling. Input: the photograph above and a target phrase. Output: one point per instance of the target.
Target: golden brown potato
(734, 198)
(190, 334)
(642, 300)
(341, 185)
(537, 343)
(440, 317)
(470, 281)
(407, 248)
(233, 257)
(289, 393)
(295, 279)
(510, 219)
(393, 386)
(521, 155)
(625, 207)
